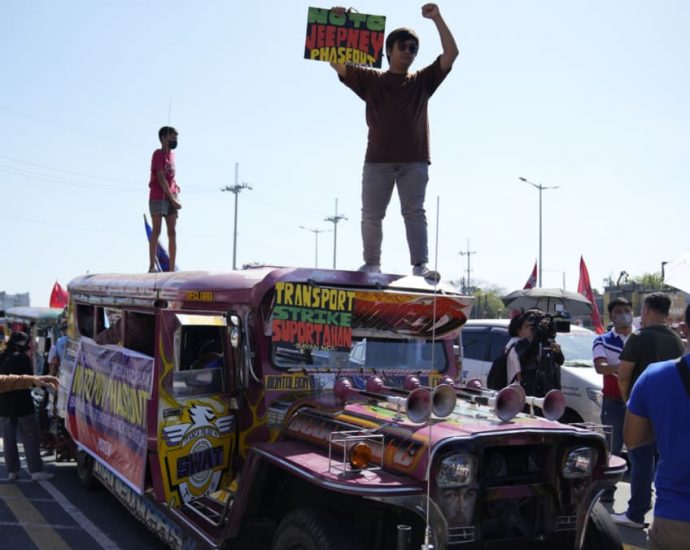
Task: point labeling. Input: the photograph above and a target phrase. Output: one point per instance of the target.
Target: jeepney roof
(48, 315)
(205, 286)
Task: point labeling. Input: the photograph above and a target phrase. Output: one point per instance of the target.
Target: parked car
(483, 340)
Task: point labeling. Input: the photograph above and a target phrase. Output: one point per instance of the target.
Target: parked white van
(483, 340)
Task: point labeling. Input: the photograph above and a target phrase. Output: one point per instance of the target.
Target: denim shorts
(162, 207)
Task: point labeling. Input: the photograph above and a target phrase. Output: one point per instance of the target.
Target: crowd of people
(646, 400)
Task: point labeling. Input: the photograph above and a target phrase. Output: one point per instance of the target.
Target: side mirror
(234, 331)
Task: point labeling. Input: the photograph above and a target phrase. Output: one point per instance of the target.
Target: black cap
(18, 341)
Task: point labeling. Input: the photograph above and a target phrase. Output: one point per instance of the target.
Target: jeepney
(291, 408)
(38, 323)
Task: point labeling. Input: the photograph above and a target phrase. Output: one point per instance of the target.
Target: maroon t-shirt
(396, 110)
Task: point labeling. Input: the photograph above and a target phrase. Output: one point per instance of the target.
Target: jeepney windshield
(314, 327)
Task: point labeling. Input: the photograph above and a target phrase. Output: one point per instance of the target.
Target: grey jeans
(30, 438)
(378, 180)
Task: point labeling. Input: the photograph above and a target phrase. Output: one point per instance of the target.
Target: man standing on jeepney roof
(398, 142)
(163, 193)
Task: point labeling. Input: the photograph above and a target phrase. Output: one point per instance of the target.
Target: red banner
(584, 287)
(58, 296)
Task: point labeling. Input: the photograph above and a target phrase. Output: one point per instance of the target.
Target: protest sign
(308, 317)
(347, 37)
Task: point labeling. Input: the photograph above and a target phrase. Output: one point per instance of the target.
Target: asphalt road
(632, 538)
(61, 514)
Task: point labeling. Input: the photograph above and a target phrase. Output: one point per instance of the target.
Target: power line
(72, 172)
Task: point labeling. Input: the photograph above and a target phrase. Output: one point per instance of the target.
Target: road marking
(38, 529)
(631, 547)
(94, 532)
(52, 525)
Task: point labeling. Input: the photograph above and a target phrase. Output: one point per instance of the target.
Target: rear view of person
(654, 342)
(657, 411)
(17, 413)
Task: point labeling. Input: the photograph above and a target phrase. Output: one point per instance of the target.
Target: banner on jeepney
(309, 317)
(344, 37)
(106, 410)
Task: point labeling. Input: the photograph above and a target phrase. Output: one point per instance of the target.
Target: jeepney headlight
(579, 462)
(456, 470)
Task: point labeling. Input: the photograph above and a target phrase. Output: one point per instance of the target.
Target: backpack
(498, 373)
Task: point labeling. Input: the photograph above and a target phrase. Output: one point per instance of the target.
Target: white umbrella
(677, 273)
(549, 300)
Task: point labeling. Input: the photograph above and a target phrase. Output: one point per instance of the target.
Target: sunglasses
(412, 48)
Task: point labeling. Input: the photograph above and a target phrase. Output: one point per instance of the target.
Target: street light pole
(316, 241)
(541, 188)
(334, 220)
(235, 189)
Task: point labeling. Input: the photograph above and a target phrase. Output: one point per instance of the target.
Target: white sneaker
(420, 270)
(370, 268)
(623, 519)
(430, 276)
(42, 476)
(13, 476)
(154, 269)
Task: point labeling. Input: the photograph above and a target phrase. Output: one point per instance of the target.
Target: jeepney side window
(199, 360)
(108, 326)
(140, 330)
(85, 320)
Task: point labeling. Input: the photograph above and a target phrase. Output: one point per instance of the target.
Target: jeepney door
(197, 434)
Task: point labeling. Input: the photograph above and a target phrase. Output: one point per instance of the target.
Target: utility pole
(334, 220)
(316, 241)
(235, 189)
(468, 253)
(541, 188)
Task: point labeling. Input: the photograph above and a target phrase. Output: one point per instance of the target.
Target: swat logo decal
(198, 451)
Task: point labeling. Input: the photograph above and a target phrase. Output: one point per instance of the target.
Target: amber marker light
(360, 456)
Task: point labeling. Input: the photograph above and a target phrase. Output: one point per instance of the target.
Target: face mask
(623, 320)
(172, 143)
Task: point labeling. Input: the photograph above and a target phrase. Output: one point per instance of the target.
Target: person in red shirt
(606, 349)
(163, 191)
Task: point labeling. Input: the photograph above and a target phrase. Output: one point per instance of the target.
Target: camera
(546, 326)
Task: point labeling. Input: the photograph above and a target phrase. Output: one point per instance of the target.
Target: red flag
(532, 281)
(59, 296)
(584, 287)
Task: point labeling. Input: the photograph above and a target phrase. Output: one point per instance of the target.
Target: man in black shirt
(654, 342)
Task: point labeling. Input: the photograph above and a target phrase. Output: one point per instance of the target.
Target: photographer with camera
(541, 358)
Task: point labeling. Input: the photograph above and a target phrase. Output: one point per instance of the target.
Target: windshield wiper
(295, 355)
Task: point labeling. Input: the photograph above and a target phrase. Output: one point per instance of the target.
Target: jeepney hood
(407, 446)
